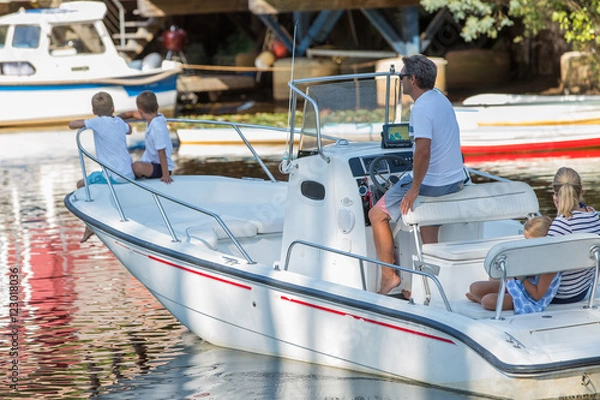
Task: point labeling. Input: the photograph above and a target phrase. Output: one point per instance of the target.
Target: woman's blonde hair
(568, 189)
(537, 226)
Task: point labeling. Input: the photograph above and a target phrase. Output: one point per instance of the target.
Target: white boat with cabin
(53, 60)
(288, 268)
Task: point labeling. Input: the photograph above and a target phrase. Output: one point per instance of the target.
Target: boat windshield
(26, 36)
(351, 107)
(75, 38)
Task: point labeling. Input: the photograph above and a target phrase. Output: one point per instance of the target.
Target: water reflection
(77, 322)
(85, 327)
(206, 371)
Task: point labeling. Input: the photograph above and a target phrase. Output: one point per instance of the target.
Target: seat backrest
(542, 255)
(475, 203)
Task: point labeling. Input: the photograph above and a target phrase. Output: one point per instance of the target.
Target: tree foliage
(579, 20)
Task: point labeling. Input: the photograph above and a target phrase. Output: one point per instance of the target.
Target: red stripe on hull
(342, 313)
(569, 148)
(193, 271)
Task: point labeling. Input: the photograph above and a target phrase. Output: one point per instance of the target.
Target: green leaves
(578, 19)
(477, 17)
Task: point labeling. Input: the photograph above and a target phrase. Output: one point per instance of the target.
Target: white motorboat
(530, 141)
(52, 61)
(288, 268)
(509, 124)
(507, 110)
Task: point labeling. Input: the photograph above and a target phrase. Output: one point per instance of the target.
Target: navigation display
(396, 136)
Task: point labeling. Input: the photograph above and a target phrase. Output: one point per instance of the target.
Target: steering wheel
(386, 177)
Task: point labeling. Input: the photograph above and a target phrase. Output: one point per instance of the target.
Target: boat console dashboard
(385, 167)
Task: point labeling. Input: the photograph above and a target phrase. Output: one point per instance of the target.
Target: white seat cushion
(482, 202)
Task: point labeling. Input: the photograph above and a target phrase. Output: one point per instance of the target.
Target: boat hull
(257, 312)
(59, 102)
(540, 140)
(514, 110)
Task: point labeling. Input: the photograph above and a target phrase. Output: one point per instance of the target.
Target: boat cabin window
(16, 68)
(26, 37)
(3, 32)
(72, 39)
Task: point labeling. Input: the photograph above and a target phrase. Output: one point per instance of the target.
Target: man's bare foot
(472, 297)
(86, 235)
(389, 284)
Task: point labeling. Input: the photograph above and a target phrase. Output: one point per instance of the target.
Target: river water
(83, 327)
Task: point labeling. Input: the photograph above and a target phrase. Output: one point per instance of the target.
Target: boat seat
(241, 224)
(210, 232)
(542, 255)
(493, 201)
(465, 250)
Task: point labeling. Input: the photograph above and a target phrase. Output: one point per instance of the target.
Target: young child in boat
(156, 161)
(525, 294)
(110, 142)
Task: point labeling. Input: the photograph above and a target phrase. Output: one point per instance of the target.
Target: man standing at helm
(437, 165)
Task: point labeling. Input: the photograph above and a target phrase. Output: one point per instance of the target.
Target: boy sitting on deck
(110, 142)
(156, 161)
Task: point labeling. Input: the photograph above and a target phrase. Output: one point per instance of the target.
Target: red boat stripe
(441, 339)
(531, 147)
(193, 271)
(330, 310)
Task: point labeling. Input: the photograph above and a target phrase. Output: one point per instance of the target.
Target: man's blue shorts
(390, 202)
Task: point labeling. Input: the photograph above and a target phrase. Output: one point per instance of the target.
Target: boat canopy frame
(296, 93)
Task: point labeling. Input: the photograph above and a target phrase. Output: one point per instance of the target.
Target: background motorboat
(52, 61)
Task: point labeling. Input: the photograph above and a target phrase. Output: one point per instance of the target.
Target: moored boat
(519, 110)
(288, 268)
(509, 124)
(529, 140)
(52, 61)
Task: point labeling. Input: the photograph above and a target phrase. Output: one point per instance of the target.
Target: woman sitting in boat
(523, 294)
(572, 216)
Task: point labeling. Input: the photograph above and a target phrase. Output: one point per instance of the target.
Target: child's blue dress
(523, 303)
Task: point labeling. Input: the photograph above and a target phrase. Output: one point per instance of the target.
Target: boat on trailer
(289, 269)
(53, 60)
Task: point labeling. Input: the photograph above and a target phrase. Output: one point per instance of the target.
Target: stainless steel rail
(297, 92)
(243, 138)
(362, 260)
(157, 196)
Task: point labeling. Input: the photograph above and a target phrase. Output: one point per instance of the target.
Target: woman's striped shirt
(575, 282)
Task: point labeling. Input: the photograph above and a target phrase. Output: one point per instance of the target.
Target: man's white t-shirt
(157, 138)
(432, 117)
(110, 139)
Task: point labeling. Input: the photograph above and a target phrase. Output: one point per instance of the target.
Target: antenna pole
(284, 166)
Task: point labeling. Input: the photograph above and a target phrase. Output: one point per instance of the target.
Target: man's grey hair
(423, 69)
